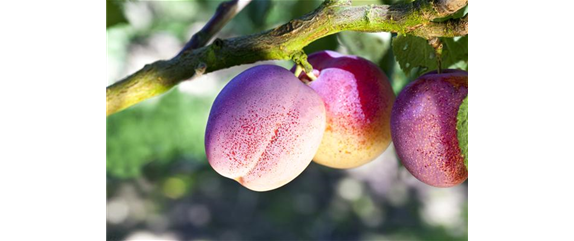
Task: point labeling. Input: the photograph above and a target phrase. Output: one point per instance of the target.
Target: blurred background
(161, 187)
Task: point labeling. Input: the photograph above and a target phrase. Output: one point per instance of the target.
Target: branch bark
(287, 41)
(225, 12)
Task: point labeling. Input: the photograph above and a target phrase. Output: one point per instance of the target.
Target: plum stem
(298, 70)
(300, 59)
(311, 76)
(437, 45)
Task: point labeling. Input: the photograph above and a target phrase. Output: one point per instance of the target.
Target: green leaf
(301, 7)
(464, 130)
(415, 53)
(458, 14)
(325, 43)
(114, 13)
(364, 45)
(454, 50)
(258, 11)
(160, 132)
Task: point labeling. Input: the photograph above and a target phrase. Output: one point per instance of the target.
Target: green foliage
(462, 129)
(366, 2)
(458, 14)
(327, 43)
(303, 7)
(114, 13)
(454, 51)
(365, 45)
(172, 128)
(415, 53)
(258, 11)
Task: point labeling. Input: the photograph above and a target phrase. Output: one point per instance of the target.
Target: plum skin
(264, 128)
(358, 99)
(423, 124)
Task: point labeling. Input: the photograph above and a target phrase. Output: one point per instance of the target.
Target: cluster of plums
(267, 125)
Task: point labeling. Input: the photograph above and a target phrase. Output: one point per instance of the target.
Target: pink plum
(358, 99)
(424, 127)
(264, 128)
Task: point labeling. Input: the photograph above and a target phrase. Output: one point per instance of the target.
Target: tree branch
(287, 41)
(225, 12)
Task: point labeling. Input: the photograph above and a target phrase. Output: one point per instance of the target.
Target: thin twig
(225, 12)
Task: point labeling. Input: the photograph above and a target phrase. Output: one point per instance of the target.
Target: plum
(264, 128)
(423, 124)
(358, 99)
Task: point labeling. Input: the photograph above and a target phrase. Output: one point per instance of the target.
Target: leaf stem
(437, 45)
